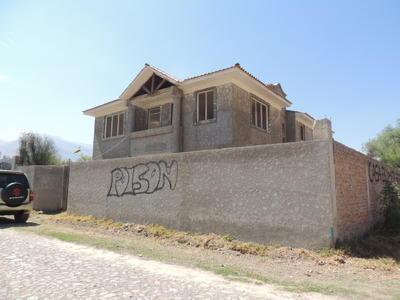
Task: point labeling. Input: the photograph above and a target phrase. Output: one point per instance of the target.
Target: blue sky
(336, 59)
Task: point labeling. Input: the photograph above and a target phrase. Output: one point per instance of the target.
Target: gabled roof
(142, 77)
(275, 90)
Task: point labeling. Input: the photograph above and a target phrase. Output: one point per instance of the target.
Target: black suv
(15, 195)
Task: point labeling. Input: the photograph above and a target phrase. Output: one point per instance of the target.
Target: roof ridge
(163, 72)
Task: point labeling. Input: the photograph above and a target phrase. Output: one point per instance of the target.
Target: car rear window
(6, 179)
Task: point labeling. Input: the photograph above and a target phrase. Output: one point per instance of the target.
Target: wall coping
(152, 132)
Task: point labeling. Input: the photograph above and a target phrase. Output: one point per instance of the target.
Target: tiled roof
(271, 87)
(209, 73)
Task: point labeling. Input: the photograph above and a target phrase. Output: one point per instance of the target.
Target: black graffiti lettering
(371, 178)
(119, 181)
(139, 184)
(380, 173)
(165, 174)
(152, 176)
(143, 178)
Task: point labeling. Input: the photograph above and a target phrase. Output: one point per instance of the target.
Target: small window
(205, 106)
(114, 125)
(154, 117)
(302, 132)
(259, 114)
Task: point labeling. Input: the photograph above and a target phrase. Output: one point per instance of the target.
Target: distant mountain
(64, 148)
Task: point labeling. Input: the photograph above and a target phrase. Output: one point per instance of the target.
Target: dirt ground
(325, 271)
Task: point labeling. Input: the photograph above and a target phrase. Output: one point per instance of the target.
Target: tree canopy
(36, 150)
(386, 146)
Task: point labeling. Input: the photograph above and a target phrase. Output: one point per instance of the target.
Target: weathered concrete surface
(50, 186)
(112, 147)
(213, 134)
(244, 133)
(293, 132)
(271, 193)
(34, 267)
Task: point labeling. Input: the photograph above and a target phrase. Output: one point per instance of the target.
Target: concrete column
(130, 119)
(323, 130)
(130, 124)
(176, 119)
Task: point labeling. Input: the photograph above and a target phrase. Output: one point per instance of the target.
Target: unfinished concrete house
(226, 108)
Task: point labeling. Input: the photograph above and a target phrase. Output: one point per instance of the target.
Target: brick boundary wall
(359, 180)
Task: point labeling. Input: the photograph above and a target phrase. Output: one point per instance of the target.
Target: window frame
(148, 116)
(111, 116)
(206, 109)
(254, 121)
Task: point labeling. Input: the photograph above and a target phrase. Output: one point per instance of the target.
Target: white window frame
(206, 106)
(118, 114)
(148, 116)
(254, 122)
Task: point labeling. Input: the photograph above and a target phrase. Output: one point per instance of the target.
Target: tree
(84, 157)
(386, 146)
(36, 150)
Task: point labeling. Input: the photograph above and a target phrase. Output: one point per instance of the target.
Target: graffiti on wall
(143, 178)
(379, 173)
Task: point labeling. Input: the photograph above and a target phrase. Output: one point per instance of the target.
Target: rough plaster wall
(150, 144)
(243, 132)
(49, 184)
(359, 181)
(214, 134)
(271, 193)
(108, 148)
(309, 134)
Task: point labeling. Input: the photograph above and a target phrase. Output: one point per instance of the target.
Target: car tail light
(32, 196)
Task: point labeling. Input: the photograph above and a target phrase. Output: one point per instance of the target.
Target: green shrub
(391, 203)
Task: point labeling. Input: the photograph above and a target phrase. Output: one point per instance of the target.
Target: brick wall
(359, 181)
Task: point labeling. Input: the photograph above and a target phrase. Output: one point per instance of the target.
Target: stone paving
(36, 267)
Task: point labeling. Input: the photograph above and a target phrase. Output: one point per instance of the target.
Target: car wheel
(21, 217)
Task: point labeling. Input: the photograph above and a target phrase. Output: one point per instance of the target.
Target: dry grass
(379, 250)
(225, 243)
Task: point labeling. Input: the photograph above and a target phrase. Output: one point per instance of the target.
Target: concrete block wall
(112, 147)
(244, 133)
(279, 193)
(208, 135)
(50, 184)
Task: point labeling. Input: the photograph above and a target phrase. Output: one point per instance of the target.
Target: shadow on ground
(10, 223)
(378, 243)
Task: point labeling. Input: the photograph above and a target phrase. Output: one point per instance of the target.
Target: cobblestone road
(35, 267)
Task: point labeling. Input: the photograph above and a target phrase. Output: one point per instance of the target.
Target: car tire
(21, 217)
(14, 194)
